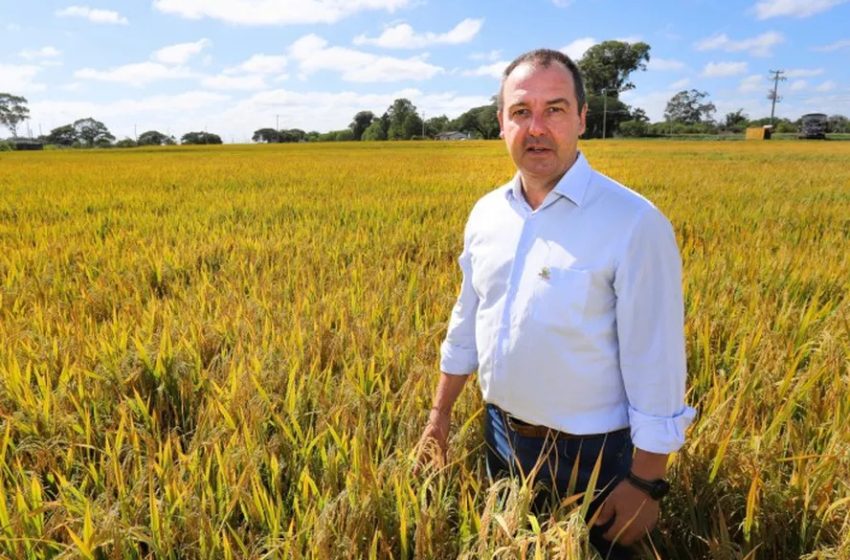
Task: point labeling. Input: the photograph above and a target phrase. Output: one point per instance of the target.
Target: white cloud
(42, 53)
(653, 102)
(562, 3)
(760, 45)
(723, 69)
(249, 82)
(664, 64)
(181, 52)
(93, 15)
(578, 47)
(402, 36)
(799, 85)
(72, 86)
(796, 8)
(842, 44)
(135, 74)
(828, 85)
(274, 12)
(260, 64)
(803, 72)
(175, 114)
(630, 39)
(753, 82)
(322, 110)
(492, 56)
(680, 84)
(313, 54)
(490, 70)
(18, 78)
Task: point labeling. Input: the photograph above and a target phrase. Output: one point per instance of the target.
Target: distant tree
(292, 135)
(639, 115)
(633, 128)
(397, 113)
(126, 143)
(344, 135)
(436, 125)
(65, 135)
(607, 66)
(200, 138)
(92, 132)
(481, 122)
(687, 107)
(374, 132)
(612, 112)
(361, 122)
(267, 135)
(155, 138)
(735, 121)
(312, 136)
(13, 110)
(412, 126)
(838, 124)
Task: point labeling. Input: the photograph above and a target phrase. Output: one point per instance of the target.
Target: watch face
(660, 488)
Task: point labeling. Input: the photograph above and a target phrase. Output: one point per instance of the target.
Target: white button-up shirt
(572, 313)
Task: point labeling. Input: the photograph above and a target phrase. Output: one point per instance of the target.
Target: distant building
(26, 143)
(452, 135)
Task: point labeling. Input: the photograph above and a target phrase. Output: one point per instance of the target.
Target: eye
(556, 109)
(519, 112)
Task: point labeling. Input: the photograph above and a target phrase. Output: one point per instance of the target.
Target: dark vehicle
(813, 126)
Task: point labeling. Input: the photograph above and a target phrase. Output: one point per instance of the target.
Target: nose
(536, 127)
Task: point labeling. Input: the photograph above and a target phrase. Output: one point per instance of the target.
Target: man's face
(541, 122)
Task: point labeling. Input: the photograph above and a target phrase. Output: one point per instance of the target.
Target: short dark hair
(545, 58)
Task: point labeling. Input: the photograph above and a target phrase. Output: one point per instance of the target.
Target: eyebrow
(555, 101)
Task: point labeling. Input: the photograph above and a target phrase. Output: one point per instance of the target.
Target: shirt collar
(573, 184)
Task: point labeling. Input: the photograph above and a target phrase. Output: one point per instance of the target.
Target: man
(571, 312)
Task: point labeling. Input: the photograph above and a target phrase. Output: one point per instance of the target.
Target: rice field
(230, 351)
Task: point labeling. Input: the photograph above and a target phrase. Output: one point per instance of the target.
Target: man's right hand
(433, 443)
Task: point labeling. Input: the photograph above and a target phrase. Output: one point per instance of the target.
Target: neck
(535, 189)
(535, 192)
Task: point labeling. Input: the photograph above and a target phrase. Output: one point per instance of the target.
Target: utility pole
(277, 122)
(423, 124)
(604, 111)
(772, 95)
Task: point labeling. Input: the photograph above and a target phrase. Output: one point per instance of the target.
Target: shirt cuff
(457, 360)
(660, 434)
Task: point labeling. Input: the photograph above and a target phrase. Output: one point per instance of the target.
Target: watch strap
(655, 489)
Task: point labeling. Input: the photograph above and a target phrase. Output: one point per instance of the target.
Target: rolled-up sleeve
(458, 353)
(650, 330)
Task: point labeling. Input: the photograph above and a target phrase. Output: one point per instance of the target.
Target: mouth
(537, 150)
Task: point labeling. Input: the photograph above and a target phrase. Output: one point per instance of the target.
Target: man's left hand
(633, 511)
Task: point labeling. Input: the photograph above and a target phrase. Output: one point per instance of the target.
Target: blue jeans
(510, 454)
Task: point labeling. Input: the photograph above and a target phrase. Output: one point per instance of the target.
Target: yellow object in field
(758, 133)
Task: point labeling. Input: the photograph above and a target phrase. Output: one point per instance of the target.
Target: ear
(501, 124)
(582, 115)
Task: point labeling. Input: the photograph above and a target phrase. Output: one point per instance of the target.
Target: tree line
(606, 68)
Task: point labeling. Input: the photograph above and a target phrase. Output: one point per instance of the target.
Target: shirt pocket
(560, 297)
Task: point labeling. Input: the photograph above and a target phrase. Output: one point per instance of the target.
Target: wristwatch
(655, 489)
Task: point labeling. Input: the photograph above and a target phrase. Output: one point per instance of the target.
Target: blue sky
(231, 67)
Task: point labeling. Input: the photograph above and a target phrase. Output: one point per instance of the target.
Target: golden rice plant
(229, 352)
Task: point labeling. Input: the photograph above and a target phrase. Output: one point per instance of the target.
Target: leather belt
(534, 431)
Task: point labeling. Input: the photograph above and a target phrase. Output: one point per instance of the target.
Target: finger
(615, 530)
(606, 512)
(630, 529)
